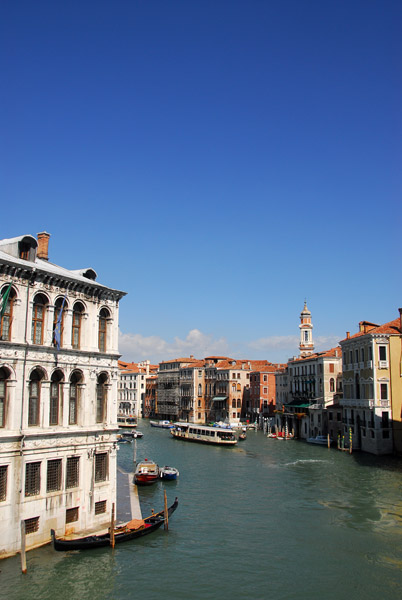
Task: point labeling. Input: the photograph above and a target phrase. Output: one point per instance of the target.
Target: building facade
(58, 396)
(372, 382)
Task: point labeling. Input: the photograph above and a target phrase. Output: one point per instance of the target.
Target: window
(38, 318)
(72, 515)
(265, 390)
(58, 321)
(101, 398)
(31, 525)
(384, 391)
(3, 482)
(331, 367)
(72, 471)
(4, 375)
(332, 385)
(53, 475)
(55, 395)
(32, 479)
(7, 296)
(34, 397)
(101, 467)
(100, 507)
(199, 389)
(74, 397)
(103, 318)
(78, 311)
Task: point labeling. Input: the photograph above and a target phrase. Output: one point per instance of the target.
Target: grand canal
(267, 519)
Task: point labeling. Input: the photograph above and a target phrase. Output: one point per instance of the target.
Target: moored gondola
(123, 533)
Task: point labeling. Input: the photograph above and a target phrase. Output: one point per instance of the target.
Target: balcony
(383, 364)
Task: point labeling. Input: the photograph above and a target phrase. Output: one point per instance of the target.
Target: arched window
(34, 397)
(7, 298)
(60, 308)
(38, 318)
(101, 398)
(4, 376)
(74, 397)
(200, 389)
(55, 397)
(332, 385)
(102, 335)
(78, 311)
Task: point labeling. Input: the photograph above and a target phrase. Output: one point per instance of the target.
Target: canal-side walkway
(128, 504)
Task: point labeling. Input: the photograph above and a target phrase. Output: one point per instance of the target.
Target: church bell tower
(306, 333)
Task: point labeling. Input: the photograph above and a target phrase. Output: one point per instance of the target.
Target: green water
(267, 519)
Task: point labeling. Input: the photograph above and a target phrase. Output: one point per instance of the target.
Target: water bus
(126, 421)
(204, 434)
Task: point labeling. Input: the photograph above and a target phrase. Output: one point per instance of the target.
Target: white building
(132, 383)
(58, 400)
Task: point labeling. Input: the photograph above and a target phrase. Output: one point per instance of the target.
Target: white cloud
(136, 347)
(290, 344)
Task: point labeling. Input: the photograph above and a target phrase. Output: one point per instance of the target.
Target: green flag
(4, 300)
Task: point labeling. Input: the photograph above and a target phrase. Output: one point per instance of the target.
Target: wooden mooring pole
(166, 513)
(112, 527)
(23, 553)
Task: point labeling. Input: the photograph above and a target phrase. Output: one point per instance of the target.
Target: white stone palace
(58, 396)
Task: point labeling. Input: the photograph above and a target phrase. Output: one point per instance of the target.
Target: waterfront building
(281, 387)
(192, 397)
(151, 398)
(58, 396)
(315, 384)
(262, 401)
(168, 387)
(132, 384)
(373, 386)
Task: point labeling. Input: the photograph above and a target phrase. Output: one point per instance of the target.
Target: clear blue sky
(220, 161)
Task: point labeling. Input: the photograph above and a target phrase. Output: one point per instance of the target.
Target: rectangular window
(53, 475)
(33, 406)
(32, 479)
(384, 391)
(100, 507)
(331, 367)
(382, 352)
(385, 420)
(72, 472)
(54, 403)
(31, 525)
(3, 482)
(72, 515)
(101, 467)
(3, 388)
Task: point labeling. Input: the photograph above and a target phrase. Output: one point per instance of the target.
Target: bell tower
(306, 345)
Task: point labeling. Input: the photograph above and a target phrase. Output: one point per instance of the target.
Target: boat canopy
(219, 398)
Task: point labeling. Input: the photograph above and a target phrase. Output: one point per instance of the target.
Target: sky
(221, 161)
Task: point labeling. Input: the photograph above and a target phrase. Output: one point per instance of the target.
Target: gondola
(123, 533)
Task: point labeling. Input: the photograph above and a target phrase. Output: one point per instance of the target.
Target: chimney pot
(347, 335)
(43, 245)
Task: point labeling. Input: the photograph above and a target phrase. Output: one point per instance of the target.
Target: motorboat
(169, 472)
(162, 424)
(146, 473)
(321, 440)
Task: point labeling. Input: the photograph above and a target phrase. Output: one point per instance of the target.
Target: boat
(242, 434)
(162, 424)
(123, 439)
(146, 473)
(132, 434)
(321, 440)
(168, 473)
(204, 434)
(122, 533)
(125, 421)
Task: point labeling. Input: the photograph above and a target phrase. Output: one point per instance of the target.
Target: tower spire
(306, 345)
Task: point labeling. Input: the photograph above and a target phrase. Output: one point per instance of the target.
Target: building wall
(52, 499)
(396, 390)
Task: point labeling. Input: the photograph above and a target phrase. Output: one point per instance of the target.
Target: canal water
(266, 519)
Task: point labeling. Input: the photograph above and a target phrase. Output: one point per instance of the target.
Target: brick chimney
(347, 335)
(43, 245)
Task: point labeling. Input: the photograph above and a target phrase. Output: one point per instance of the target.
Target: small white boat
(168, 472)
(162, 424)
(321, 440)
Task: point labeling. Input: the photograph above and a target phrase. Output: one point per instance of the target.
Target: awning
(219, 398)
(297, 404)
